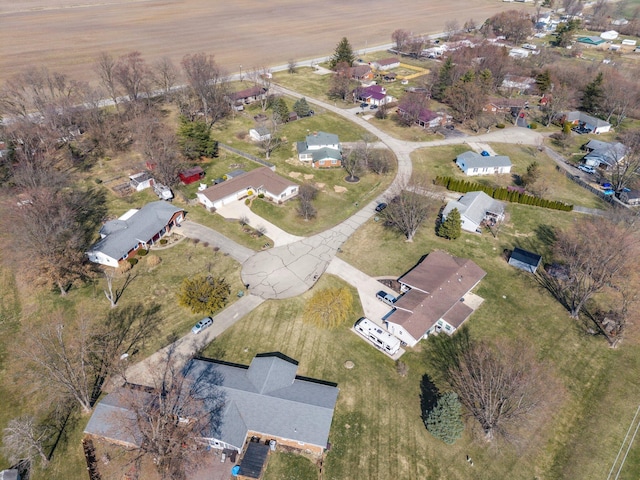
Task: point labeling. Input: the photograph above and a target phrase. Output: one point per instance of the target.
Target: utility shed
(524, 260)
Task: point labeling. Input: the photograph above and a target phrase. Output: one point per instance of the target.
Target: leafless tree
(166, 74)
(379, 162)
(411, 204)
(341, 82)
(24, 439)
(272, 140)
(414, 45)
(620, 94)
(400, 37)
(590, 267)
(470, 25)
(159, 145)
(561, 99)
(451, 28)
(411, 106)
(515, 25)
(292, 66)
(208, 84)
(306, 194)
(466, 99)
(499, 385)
(114, 295)
(52, 231)
(572, 7)
(261, 77)
(105, 67)
(625, 162)
(182, 406)
(133, 75)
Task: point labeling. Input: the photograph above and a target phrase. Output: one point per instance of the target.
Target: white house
(475, 208)
(433, 298)
(472, 164)
(386, 64)
(321, 150)
(140, 181)
(261, 180)
(137, 228)
(259, 134)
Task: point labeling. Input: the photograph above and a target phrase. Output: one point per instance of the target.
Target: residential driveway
(141, 373)
(205, 234)
(239, 210)
(367, 287)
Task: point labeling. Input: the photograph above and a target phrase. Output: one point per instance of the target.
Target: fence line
(248, 156)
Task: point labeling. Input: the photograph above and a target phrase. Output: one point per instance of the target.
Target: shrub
(261, 195)
(533, 125)
(163, 241)
(124, 267)
(247, 201)
(153, 260)
(250, 192)
(98, 181)
(500, 125)
(132, 261)
(142, 252)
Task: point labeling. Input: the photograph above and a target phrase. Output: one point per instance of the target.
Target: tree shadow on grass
(428, 395)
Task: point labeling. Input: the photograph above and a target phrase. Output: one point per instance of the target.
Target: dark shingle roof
(262, 177)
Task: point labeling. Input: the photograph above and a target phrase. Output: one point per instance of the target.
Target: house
(259, 134)
(362, 73)
(593, 41)
(247, 96)
(266, 399)
(191, 175)
(476, 208)
(603, 154)
(581, 119)
(137, 228)
(321, 150)
(433, 298)
(386, 64)
(373, 94)
(524, 260)
(504, 105)
(140, 181)
(517, 83)
(11, 474)
(426, 118)
(259, 181)
(630, 196)
(519, 53)
(472, 164)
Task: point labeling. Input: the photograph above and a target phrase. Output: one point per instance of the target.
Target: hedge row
(500, 193)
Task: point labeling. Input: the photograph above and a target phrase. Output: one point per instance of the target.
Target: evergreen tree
(543, 81)
(532, 175)
(280, 111)
(195, 140)
(444, 421)
(451, 227)
(301, 107)
(592, 95)
(343, 54)
(445, 79)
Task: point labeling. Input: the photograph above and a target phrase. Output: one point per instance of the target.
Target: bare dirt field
(66, 35)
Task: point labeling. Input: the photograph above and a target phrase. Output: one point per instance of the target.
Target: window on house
(334, 161)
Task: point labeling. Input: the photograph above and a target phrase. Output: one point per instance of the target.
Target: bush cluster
(133, 261)
(500, 193)
(142, 252)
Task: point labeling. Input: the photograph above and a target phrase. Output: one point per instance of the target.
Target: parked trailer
(377, 336)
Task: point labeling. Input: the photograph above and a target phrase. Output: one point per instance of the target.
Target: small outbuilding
(141, 181)
(525, 260)
(191, 175)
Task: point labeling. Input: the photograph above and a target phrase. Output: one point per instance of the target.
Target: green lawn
(440, 161)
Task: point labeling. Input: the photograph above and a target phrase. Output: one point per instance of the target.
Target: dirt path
(67, 35)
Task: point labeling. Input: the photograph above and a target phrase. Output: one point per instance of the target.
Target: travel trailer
(377, 336)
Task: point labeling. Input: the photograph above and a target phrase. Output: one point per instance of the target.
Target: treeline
(500, 193)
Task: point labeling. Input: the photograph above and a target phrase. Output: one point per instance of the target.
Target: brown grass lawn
(67, 35)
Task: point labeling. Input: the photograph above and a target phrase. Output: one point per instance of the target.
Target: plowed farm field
(67, 35)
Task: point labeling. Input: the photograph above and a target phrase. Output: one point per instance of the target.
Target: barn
(191, 175)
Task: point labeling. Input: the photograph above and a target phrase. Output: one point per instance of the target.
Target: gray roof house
(604, 154)
(264, 399)
(135, 229)
(321, 150)
(525, 260)
(472, 164)
(593, 124)
(475, 208)
(11, 474)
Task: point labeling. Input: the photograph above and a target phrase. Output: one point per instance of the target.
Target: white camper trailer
(377, 336)
(162, 191)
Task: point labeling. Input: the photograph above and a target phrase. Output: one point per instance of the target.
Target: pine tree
(444, 421)
(301, 107)
(543, 81)
(592, 95)
(445, 79)
(343, 54)
(280, 110)
(451, 227)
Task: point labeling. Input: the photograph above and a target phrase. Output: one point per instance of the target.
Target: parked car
(381, 206)
(484, 153)
(586, 169)
(606, 185)
(581, 130)
(364, 105)
(202, 324)
(608, 191)
(373, 107)
(386, 297)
